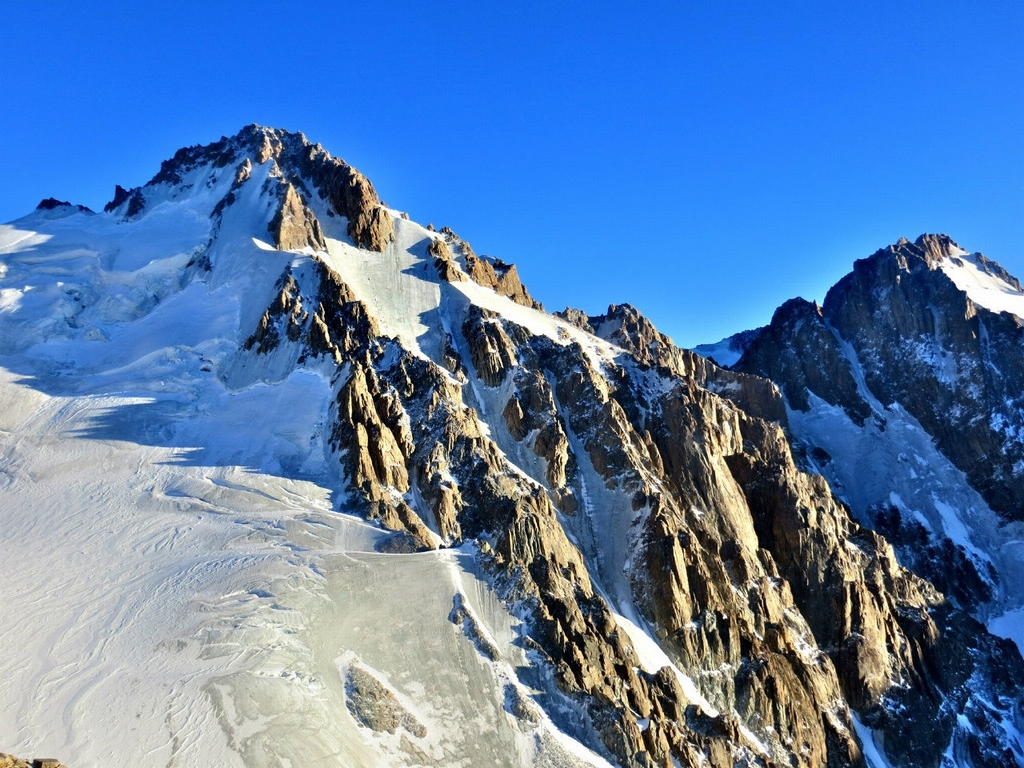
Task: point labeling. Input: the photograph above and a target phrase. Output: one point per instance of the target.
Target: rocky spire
(309, 168)
(594, 471)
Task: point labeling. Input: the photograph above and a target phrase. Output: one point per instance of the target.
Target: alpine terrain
(288, 479)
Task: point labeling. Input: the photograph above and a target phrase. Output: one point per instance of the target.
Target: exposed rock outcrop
(52, 203)
(294, 226)
(445, 264)
(133, 201)
(823, 369)
(328, 320)
(697, 570)
(501, 277)
(348, 192)
(921, 343)
(531, 414)
(375, 706)
(662, 483)
(491, 273)
(748, 565)
(493, 352)
(626, 327)
(120, 196)
(680, 590)
(577, 317)
(308, 167)
(10, 761)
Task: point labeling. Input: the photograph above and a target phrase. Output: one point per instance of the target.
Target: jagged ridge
(607, 481)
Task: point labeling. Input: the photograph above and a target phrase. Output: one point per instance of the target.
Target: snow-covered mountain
(289, 479)
(906, 389)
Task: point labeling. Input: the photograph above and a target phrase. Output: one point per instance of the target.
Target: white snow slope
(180, 587)
(972, 276)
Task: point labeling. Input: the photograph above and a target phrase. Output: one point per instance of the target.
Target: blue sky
(703, 164)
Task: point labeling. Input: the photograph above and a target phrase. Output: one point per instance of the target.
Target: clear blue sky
(704, 163)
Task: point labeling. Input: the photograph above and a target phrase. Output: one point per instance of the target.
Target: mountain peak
(932, 249)
(55, 207)
(259, 142)
(305, 166)
(635, 563)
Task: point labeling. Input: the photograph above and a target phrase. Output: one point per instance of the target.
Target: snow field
(400, 287)
(183, 590)
(983, 288)
(197, 610)
(873, 754)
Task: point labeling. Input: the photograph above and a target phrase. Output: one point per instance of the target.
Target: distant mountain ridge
(928, 334)
(925, 343)
(619, 556)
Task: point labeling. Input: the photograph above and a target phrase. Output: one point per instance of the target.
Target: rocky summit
(299, 481)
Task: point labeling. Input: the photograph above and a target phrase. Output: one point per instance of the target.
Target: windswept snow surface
(180, 587)
(981, 286)
(399, 286)
(1009, 625)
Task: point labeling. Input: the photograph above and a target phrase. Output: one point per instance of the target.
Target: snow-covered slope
(183, 585)
(288, 479)
(984, 282)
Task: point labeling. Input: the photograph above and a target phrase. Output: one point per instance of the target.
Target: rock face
(974, 413)
(309, 167)
(120, 196)
(920, 342)
(133, 202)
(502, 277)
(827, 374)
(294, 226)
(347, 192)
(328, 320)
(376, 707)
(689, 595)
(681, 497)
(495, 274)
(918, 364)
(10, 761)
(52, 203)
(902, 380)
(626, 327)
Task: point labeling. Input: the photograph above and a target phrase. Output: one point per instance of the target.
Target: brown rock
(502, 278)
(751, 574)
(243, 172)
(374, 705)
(348, 192)
(577, 317)
(491, 273)
(444, 262)
(294, 226)
(352, 195)
(492, 351)
(374, 439)
(10, 761)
